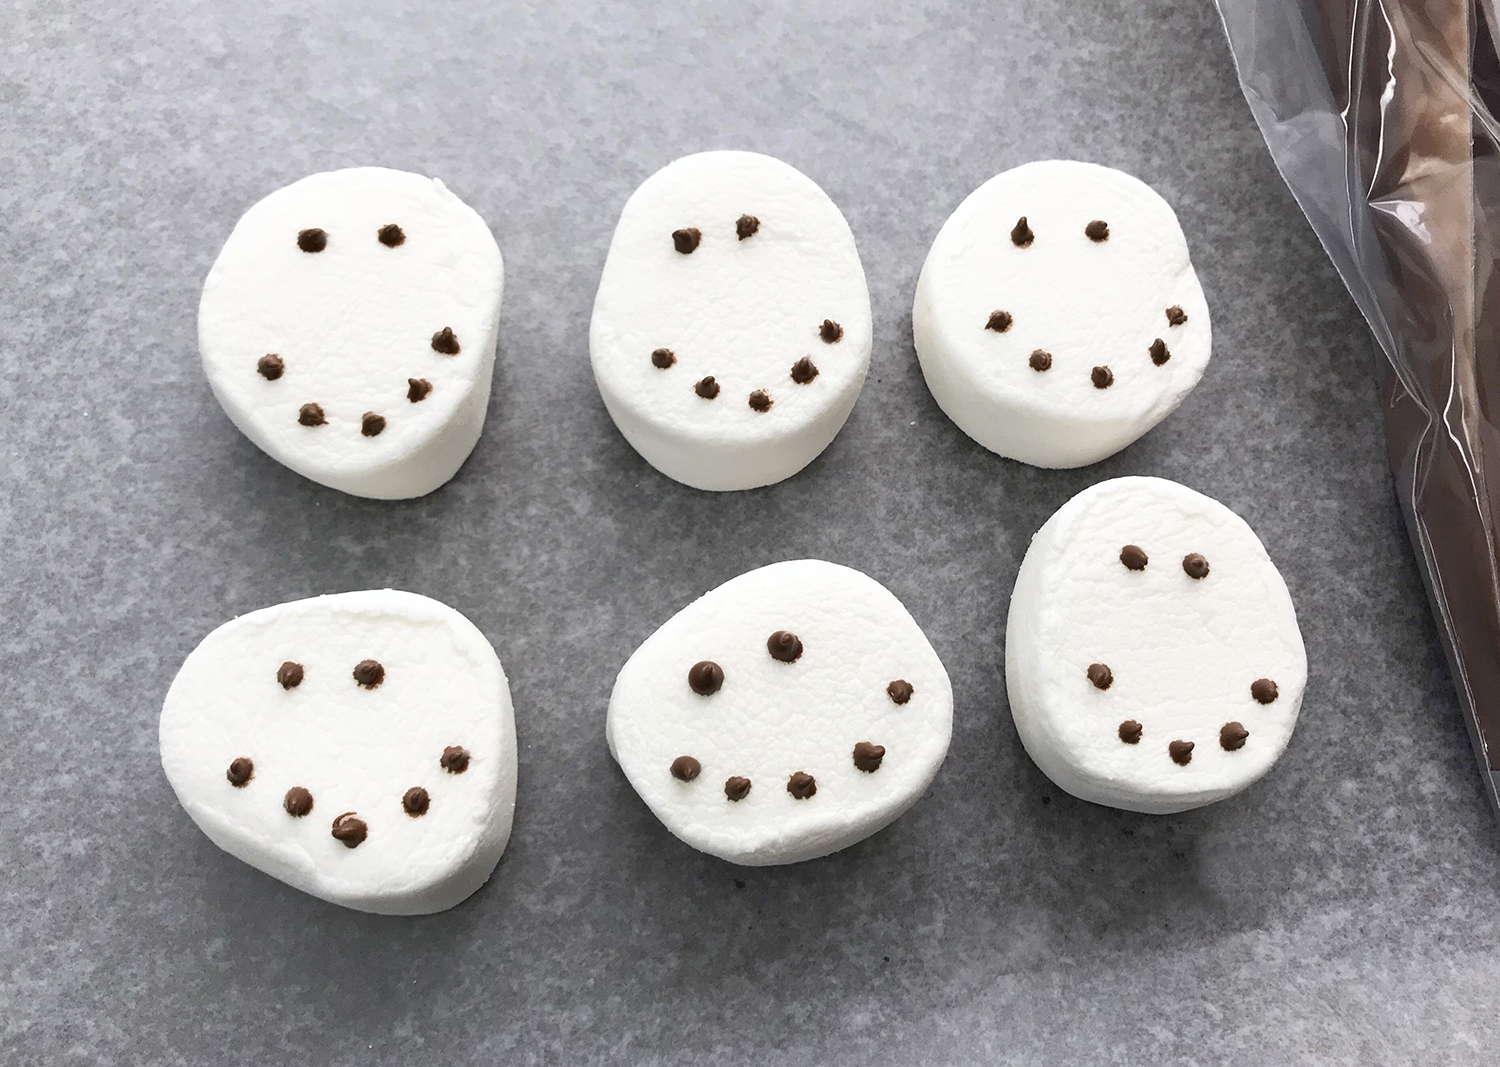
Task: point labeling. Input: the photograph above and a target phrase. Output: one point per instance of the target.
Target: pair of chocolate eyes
(1021, 235)
(1134, 557)
(368, 674)
(687, 239)
(315, 240)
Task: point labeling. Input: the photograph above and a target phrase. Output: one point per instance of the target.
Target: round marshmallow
(348, 329)
(731, 332)
(1057, 317)
(1152, 654)
(785, 715)
(360, 747)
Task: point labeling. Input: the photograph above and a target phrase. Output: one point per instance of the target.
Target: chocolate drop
(662, 358)
(705, 677)
(455, 759)
(784, 645)
(1130, 732)
(685, 768)
(289, 674)
(297, 802)
(1232, 736)
(999, 321)
(899, 691)
(1101, 676)
(1040, 360)
(1176, 316)
(745, 226)
(1264, 690)
(1134, 557)
(830, 331)
(1021, 235)
(1098, 230)
(350, 830)
(1195, 565)
(371, 424)
(240, 771)
(368, 673)
(312, 240)
(867, 757)
(1181, 752)
(445, 342)
(390, 235)
(804, 370)
(686, 240)
(707, 388)
(415, 801)
(311, 415)
(760, 400)
(736, 788)
(801, 785)
(270, 366)
(1102, 377)
(1159, 352)
(417, 389)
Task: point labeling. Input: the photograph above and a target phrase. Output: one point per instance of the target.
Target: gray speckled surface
(1343, 910)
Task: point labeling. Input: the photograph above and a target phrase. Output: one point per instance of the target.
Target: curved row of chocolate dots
(1102, 376)
(799, 784)
(803, 371)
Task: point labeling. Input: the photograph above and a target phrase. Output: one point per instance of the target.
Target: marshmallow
(348, 329)
(785, 715)
(360, 747)
(1057, 317)
(731, 332)
(1152, 654)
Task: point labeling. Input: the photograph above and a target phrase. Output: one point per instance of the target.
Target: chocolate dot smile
(1097, 231)
(736, 788)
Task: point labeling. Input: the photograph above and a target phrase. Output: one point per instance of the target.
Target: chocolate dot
(1101, 676)
(390, 235)
(1021, 235)
(784, 645)
(746, 225)
(686, 240)
(801, 785)
(270, 366)
(445, 341)
(1181, 752)
(899, 691)
(1130, 732)
(662, 358)
(289, 674)
(418, 389)
(1159, 352)
(1040, 360)
(350, 830)
(736, 788)
(760, 400)
(312, 240)
(240, 771)
(415, 801)
(455, 759)
(1176, 316)
(685, 768)
(1133, 557)
(867, 757)
(311, 415)
(297, 802)
(999, 321)
(1232, 736)
(1264, 690)
(830, 331)
(1195, 565)
(705, 677)
(1102, 377)
(804, 370)
(707, 388)
(369, 673)
(371, 424)
(1098, 230)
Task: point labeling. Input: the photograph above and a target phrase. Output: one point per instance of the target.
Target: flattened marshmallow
(360, 747)
(785, 715)
(1152, 654)
(1057, 317)
(348, 329)
(731, 332)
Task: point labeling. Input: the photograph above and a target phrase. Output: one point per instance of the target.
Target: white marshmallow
(1183, 653)
(1084, 304)
(742, 311)
(357, 328)
(353, 748)
(772, 719)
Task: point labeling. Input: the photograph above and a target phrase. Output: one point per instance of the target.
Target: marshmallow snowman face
(1152, 656)
(1058, 317)
(731, 331)
(360, 747)
(348, 329)
(785, 715)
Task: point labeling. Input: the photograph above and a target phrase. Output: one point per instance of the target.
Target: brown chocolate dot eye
(760, 400)
(297, 802)
(1101, 676)
(784, 645)
(1102, 377)
(455, 759)
(368, 673)
(736, 788)
(707, 388)
(240, 771)
(705, 677)
(1181, 752)
(371, 424)
(289, 674)
(1040, 360)
(270, 366)
(312, 240)
(445, 342)
(1176, 316)
(804, 370)
(899, 691)
(1159, 352)
(1098, 230)
(686, 240)
(1134, 557)
(745, 226)
(801, 785)
(350, 829)
(662, 358)
(415, 801)
(390, 235)
(418, 389)
(685, 768)
(311, 415)
(1130, 732)
(1264, 690)
(831, 332)
(1232, 736)
(1021, 235)
(867, 757)
(1194, 565)
(999, 321)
